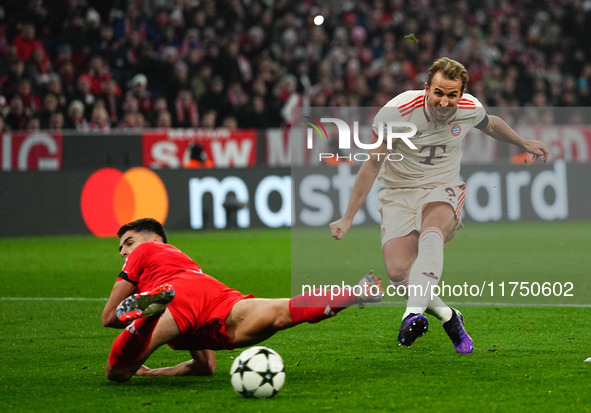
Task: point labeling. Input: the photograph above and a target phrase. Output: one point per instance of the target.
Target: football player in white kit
(422, 198)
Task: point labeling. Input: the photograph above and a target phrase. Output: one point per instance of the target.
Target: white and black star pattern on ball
(258, 372)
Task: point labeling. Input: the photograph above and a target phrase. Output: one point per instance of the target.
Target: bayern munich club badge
(455, 130)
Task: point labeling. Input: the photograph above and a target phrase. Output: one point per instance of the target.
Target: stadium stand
(100, 65)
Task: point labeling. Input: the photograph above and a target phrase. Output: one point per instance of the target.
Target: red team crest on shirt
(455, 130)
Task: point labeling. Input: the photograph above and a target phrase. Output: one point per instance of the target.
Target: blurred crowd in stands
(98, 65)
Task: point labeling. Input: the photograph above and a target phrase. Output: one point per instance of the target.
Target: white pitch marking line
(487, 304)
(382, 304)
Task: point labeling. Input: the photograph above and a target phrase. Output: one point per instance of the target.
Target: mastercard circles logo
(111, 198)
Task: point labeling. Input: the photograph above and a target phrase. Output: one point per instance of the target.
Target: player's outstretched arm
(498, 129)
(202, 364)
(363, 182)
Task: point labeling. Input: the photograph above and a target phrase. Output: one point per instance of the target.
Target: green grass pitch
(528, 354)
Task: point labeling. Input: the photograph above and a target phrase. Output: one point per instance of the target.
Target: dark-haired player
(163, 297)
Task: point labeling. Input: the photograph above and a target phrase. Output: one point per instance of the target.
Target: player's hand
(339, 228)
(537, 149)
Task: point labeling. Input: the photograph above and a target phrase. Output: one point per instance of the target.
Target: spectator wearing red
(289, 98)
(99, 119)
(186, 114)
(112, 97)
(237, 97)
(73, 34)
(31, 102)
(160, 105)
(139, 90)
(84, 92)
(17, 119)
(25, 42)
(67, 73)
(64, 54)
(39, 69)
(76, 119)
(361, 52)
(98, 73)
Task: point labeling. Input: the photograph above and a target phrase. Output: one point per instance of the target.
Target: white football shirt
(436, 161)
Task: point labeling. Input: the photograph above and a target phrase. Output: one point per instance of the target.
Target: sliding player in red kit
(163, 297)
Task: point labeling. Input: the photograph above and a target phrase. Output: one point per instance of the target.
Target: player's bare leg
(252, 321)
(399, 256)
(440, 215)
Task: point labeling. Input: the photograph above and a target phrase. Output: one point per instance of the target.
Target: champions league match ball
(258, 372)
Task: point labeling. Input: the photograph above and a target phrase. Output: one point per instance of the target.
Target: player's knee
(202, 367)
(118, 375)
(202, 364)
(396, 273)
(281, 316)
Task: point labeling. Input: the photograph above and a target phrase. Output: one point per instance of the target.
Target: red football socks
(319, 305)
(132, 342)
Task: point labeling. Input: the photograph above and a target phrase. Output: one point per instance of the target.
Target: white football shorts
(402, 208)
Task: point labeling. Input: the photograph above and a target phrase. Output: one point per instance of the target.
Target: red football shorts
(200, 308)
